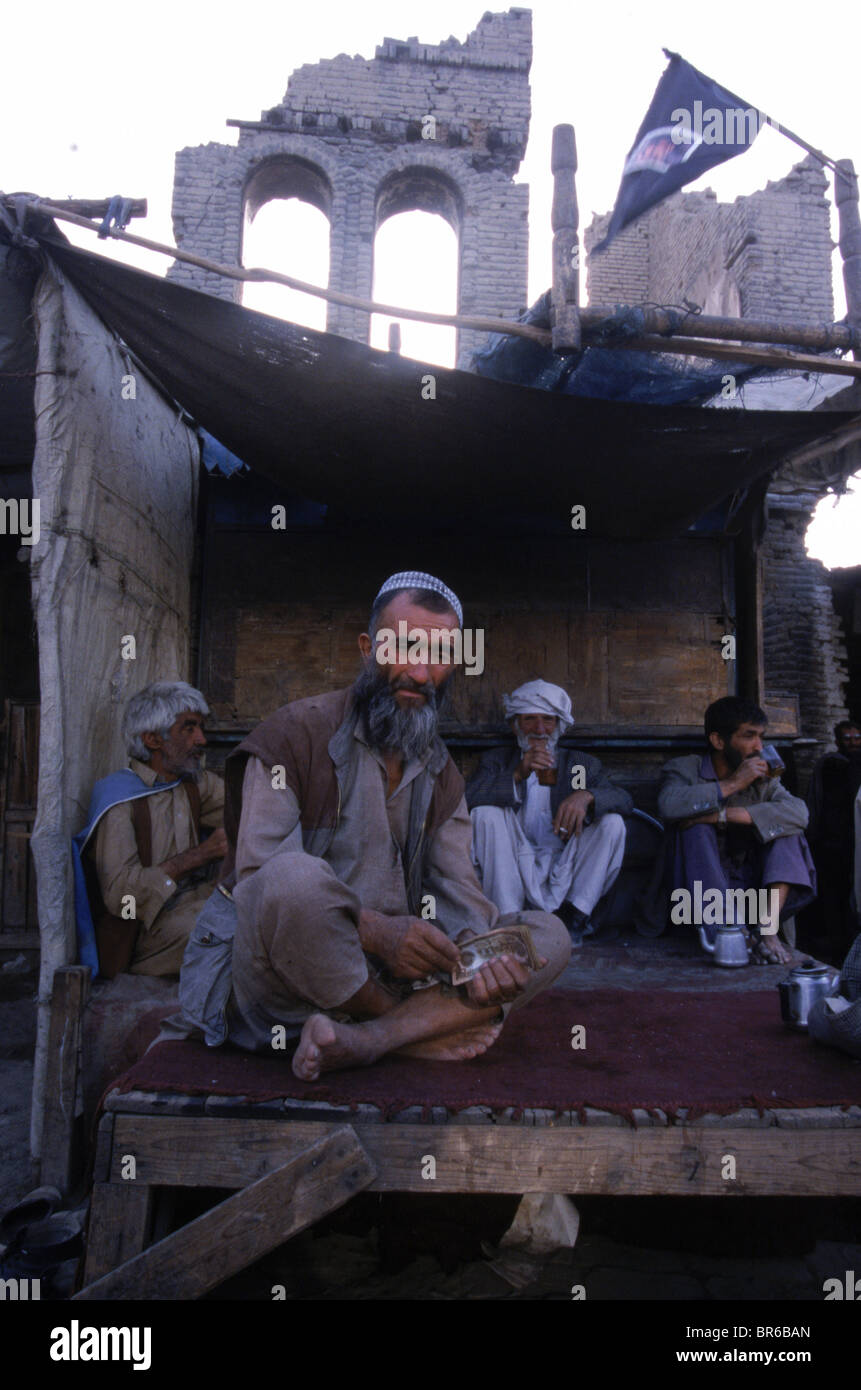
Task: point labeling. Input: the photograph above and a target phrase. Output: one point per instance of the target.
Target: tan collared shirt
(367, 849)
(115, 848)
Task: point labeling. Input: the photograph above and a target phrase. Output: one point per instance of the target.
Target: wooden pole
(564, 219)
(98, 207)
(849, 222)
(671, 321)
(757, 357)
(593, 320)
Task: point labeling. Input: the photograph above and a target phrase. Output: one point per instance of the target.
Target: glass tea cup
(771, 756)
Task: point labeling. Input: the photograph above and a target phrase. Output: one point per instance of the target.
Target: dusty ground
(446, 1248)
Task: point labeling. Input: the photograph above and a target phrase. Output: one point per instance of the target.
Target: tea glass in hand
(546, 775)
(771, 756)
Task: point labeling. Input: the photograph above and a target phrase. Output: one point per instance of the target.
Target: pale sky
(99, 96)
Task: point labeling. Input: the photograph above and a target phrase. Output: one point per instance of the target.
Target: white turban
(540, 697)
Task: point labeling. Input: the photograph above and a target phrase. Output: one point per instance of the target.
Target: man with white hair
(546, 822)
(152, 860)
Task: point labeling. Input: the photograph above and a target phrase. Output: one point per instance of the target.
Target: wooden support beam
(665, 322)
(331, 1169)
(59, 1137)
(119, 1226)
(655, 320)
(679, 1160)
(564, 220)
(98, 207)
(737, 352)
(849, 222)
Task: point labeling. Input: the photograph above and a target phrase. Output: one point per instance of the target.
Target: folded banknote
(515, 940)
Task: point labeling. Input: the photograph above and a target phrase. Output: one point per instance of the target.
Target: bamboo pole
(564, 220)
(664, 322)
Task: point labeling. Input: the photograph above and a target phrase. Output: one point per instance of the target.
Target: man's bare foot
(770, 950)
(455, 1047)
(328, 1046)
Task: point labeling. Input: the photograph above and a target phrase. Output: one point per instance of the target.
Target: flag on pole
(691, 125)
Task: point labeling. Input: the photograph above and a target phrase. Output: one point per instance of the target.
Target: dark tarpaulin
(340, 423)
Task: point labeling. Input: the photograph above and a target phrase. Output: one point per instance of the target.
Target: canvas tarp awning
(338, 422)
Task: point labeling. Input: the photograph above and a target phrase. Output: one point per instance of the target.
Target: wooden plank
(16, 864)
(102, 1156)
(593, 616)
(681, 1160)
(18, 907)
(68, 998)
(331, 1169)
(22, 768)
(119, 1226)
(23, 939)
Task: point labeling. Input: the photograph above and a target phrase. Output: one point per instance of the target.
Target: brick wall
(350, 129)
(765, 255)
(804, 647)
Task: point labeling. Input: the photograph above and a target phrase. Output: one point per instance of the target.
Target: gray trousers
(297, 948)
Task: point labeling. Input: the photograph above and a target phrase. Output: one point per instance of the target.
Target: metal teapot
(803, 985)
(729, 947)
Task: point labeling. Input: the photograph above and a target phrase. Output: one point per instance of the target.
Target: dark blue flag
(691, 125)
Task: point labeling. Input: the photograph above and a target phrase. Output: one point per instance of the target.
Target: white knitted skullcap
(415, 579)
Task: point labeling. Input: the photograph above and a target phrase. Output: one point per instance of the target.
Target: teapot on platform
(808, 982)
(730, 945)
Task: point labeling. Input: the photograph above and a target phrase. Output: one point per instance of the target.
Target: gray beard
(387, 727)
(524, 745)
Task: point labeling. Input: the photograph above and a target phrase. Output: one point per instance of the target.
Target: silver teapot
(730, 945)
(803, 985)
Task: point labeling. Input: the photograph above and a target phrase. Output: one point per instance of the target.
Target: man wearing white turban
(547, 827)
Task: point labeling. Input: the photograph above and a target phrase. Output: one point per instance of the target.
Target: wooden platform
(226, 1142)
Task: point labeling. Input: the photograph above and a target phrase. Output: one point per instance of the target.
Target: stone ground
(446, 1248)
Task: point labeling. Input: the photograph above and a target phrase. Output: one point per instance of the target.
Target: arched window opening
(288, 201)
(291, 236)
(416, 265)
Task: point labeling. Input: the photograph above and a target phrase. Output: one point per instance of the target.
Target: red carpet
(709, 1052)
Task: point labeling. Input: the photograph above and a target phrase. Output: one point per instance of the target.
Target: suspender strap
(192, 791)
(143, 829)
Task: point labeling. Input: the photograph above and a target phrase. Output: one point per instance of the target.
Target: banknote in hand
(515, 941)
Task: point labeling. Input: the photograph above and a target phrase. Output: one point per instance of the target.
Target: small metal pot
(729, 948)
(808, 982)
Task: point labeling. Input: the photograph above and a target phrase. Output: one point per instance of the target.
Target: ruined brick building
(767, 256)
(351, 138)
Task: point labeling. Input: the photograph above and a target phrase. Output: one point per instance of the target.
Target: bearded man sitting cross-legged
(352, 813)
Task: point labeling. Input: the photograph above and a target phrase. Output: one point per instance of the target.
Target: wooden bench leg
(61, 1152)
(119, 1226)
(231, 1236)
